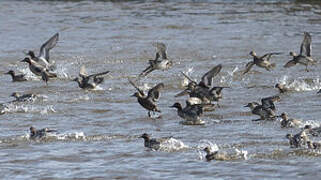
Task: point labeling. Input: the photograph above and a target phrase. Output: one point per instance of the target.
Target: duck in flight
(89, 82)
(304, 58)
(43, 56)
(260, 61)
(148, 101)
(161, 61)
(39, 70)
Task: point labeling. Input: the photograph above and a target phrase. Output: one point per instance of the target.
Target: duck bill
(247, 106)
(23, 60)
(6, 73)
(183, 93)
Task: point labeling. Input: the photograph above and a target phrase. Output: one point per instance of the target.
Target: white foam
(172, 145)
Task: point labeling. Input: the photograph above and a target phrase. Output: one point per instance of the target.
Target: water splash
(171, 145)
(304, 84)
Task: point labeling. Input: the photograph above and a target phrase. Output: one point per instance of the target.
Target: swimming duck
(260, 61)
(162, 64)
(304, 57)
(23, 97)
(153, 143)
(148, 102)
(16, 78)
(34, 133)
(190, 113)
(39, 70)
(85, 82)
(43, 56)
(298, 140)
(289, 122)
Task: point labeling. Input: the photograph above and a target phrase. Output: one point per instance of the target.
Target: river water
(98, 130)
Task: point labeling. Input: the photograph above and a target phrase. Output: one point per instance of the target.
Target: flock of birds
(202, 94)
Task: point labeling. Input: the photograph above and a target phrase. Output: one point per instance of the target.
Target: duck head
(176, 105)
(252, 53)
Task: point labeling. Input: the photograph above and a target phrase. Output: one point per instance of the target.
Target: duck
(23, 97)
(161, 61)
(39, 70)
(85, 81)
(266, 110)
(34, 133)
(148, 101)
(314, 145)
(43, 56)
(304, 58)
(204, 90)
(16, 78)
(260, 61)
(190, 113)
(282, 88)
(153, 143)
(289, 122)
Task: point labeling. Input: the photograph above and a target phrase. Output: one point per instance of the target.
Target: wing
(290, 63)
(208, 77)
(154, 92)
(98, 74)
(305, 48)
(44, 50)
(269, 102)
(161, 49)
(136, 87)
(268, 55)
(190, 79)
(248, 67)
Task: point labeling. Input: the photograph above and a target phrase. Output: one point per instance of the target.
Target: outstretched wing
(248, 67)
(268, 55)
(190, 79)
(208, 77)
(305, 48)
(136, 87)
(154, 93)
(98, 74)
(161, 49)
(44, 50)
(290, 63)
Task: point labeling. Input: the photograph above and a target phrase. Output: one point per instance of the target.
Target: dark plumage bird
(148, 102)
(89, 82)
(161, 61)
(304, 58)
(190, 113)
(16, 78)
(210, 155)
(260, 61)
(34, 133)
(153, 143)
(39, 69)
(43, 56)
(204, 90)
(266, 110)
(23, 97)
